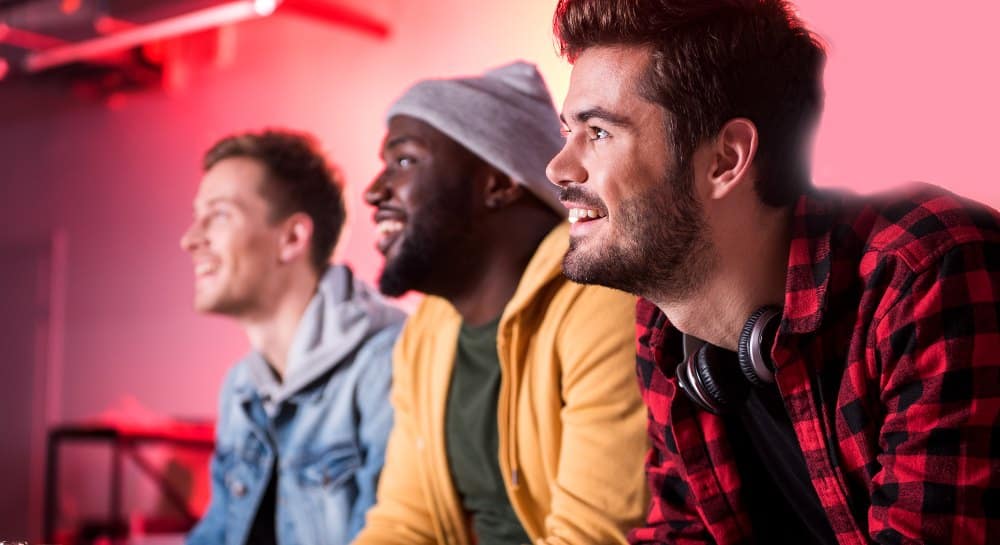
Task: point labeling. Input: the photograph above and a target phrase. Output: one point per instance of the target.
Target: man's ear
(296, 234)
(732, 153)
(500, 191)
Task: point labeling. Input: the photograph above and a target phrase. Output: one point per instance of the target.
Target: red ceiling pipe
(327, 11)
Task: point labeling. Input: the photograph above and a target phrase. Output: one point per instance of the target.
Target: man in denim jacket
(304, 417)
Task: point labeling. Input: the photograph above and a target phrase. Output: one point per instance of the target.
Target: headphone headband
(755, 357)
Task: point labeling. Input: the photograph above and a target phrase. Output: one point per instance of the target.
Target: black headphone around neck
(717, 383)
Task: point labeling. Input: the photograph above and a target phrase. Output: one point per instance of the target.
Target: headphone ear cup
(717, 369)
(710, 377)
(754, 348)
(690, 384)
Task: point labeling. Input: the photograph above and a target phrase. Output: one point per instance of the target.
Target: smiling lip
(580, 213)
(386, 213)
(389, 225)
(205, 267)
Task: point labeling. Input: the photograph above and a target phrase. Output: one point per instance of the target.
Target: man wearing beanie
(518, 417)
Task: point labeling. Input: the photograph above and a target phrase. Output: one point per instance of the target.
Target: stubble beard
(659, 248)
(230, 302)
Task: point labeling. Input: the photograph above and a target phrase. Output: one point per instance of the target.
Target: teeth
(577, 214)
(386, 227)
(203, 268)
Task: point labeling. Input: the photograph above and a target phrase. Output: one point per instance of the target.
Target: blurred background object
(150, 471)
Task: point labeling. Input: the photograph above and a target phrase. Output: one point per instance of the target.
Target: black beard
(436, 245)
(410, 267)
(659, 248)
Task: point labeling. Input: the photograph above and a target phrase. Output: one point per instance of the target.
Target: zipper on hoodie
(507, 401)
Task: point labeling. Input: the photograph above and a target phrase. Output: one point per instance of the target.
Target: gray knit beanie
(505, 117)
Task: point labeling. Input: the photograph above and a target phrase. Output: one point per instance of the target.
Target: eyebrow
(600, 113)
(215, 201)
(400, 140)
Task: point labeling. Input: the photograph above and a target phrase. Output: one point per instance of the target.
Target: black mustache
(576, 195)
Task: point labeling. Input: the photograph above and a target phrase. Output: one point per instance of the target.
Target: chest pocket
(243, 467)
(329, 492)
(330, 469)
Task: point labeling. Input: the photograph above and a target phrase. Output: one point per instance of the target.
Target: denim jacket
(323, 429)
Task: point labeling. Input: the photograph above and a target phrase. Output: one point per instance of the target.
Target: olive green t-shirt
(471, 437)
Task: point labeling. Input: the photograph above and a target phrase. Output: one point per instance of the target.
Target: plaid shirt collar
(808, 278)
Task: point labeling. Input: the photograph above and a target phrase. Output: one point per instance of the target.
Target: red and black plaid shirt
(888, 361)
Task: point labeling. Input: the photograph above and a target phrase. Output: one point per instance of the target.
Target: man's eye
(217, 215)
(406, 161)
(597, 133)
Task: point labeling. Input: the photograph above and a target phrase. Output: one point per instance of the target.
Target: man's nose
(565, 168)
(377, 191)
(191, 237)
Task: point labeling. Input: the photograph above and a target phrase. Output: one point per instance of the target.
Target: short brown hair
(299, 180)
(712, 61)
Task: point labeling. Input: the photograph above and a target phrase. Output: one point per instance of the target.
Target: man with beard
(518, 418)
(819, 367)
(304, 417)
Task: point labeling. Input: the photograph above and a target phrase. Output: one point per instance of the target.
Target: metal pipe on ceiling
(44, 34)
(222, 14)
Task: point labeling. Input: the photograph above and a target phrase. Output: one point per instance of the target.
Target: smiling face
(637, 225)
(425, 202)
(234, 247)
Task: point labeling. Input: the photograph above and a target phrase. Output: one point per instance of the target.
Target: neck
(271, 332)
(750, 273)
(492, 283)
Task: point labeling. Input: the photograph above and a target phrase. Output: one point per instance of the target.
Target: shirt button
(238, 489)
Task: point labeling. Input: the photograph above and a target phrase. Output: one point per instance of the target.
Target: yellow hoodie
(571, 424)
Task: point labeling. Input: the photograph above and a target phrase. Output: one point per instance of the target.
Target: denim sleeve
(211, 530)
(375, 413)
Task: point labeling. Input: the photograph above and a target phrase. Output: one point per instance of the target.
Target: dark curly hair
(299, 180)
(712, 61)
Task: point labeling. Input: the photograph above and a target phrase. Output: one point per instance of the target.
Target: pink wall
(119, 180)
(911, 95)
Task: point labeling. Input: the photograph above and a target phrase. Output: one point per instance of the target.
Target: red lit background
(911, 95)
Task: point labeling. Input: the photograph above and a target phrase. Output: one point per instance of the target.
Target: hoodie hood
(342, 315)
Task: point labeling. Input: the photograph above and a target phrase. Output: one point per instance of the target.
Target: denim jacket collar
(340, 317)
